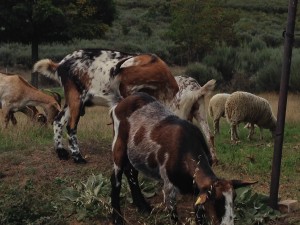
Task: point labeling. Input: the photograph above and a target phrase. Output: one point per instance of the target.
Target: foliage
(223, 59)
(90, 198)
(202, 73)
(196, 26)
(52, 20)
(25, 205)
(251, 208)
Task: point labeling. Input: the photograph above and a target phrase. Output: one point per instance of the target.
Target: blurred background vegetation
(236, 42)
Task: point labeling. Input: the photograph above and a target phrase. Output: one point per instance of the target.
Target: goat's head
(52, 110)
(41, 118)
(214, 204)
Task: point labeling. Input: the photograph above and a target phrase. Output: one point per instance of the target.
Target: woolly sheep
(216, 109)
(249, 108)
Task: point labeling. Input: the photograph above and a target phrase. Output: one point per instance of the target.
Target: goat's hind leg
(75, 108)
(116, 179)
(136, 193)
(58, 124)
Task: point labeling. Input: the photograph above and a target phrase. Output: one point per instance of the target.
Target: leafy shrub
(295, 72)
(223, 59)
(28, 206)
(252, 208)
(268, 77)
(90, 198)
(202, 73)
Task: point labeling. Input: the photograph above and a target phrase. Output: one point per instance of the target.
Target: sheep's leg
(137, 196)
(233, 132)
(217, 126)
(251, 131)
(261, 133)
(58, 124)
(116, 179)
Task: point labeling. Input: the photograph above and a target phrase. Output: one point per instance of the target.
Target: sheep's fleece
(247, 107)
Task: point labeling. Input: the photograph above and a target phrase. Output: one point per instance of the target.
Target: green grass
(31, 173)
(253, 159)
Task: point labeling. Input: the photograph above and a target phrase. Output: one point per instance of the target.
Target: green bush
(268, 77)
(223, 59)
(202, 73)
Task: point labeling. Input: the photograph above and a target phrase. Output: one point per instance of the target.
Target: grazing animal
(249, 108)
(187, 106)
(33, 113)
(216, 109)
(151, 139)
(16, 94)
(86, 76)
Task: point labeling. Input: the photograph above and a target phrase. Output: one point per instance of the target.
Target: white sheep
(16, 94)
(216, 109)
(249, 108)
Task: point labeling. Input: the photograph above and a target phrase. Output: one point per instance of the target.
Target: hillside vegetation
(252, 62)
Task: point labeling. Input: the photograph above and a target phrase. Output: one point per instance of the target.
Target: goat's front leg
(170, 193)
(137, 196)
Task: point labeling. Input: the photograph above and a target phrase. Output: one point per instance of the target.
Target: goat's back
(157, 138)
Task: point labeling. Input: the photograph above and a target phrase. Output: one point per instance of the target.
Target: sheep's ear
(201, 199)
(239, 183)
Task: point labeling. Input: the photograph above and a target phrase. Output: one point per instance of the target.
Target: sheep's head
(214, 204)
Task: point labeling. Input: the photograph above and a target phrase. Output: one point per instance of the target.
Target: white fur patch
(228, 216)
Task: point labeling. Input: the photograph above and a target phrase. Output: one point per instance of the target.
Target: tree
(40, 21)
(197, 25)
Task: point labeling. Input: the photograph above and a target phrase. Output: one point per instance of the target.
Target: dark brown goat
(151, 139)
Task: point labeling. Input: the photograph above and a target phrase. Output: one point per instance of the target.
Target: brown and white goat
(32, 113)
(86, 76)
(16, 94)
(151, 139)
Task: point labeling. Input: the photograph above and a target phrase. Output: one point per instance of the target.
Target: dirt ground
(48, 167)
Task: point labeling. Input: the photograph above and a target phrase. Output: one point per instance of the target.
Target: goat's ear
(208, 87)
(239, 183)
(201, 199)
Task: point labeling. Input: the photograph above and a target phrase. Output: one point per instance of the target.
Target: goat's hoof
(77, 157)
(62, 153)
(118, 221)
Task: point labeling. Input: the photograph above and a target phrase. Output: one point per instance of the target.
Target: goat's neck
(202, 173)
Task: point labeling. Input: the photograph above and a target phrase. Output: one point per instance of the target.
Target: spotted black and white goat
(86, 76)
(151, 139)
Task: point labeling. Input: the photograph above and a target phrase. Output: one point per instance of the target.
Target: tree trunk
(34, 59)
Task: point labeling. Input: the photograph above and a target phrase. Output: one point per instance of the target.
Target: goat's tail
(47, 68)
(114, 95)
(191, 97)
